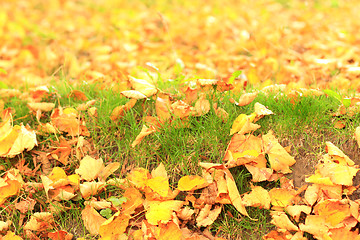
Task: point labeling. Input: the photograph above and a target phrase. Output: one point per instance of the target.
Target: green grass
(306, 125)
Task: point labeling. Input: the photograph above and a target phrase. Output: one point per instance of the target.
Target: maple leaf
(191, 183)
(143, 89)
(246, 98)
(92, 219)
(280, 160)
(281, 220)
(119, 111)
(144, 132)
(258, 197)
(90, 168)
(281, 198)
(67, 120)
(114, 226)
(207, 216)
(169, 231)
(333, 211)
(40, 221)
(163, 107)
(10, 185)
(11, 236)
(202, 106)
(157, 211)
(243, 124)
(15, 139)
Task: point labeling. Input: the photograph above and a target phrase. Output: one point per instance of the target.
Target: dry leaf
(92, 219)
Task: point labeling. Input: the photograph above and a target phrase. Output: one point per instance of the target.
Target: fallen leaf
(280, 160)
(114, 226)
(207, 216)
(92, 219)
(191, 183)
(144, 132)
(90, 168)
(258, 197)
(161, 212)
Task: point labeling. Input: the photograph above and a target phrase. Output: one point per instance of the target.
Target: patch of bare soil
(308, 152)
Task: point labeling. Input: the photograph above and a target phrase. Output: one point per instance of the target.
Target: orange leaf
(60, 235)
(344, 233)
(92, 219)
(119, 111)
(281, 220)
(258, 197)
(134, 199)
(9, 186)
(207, 216)
(78, 95)
(247, 98)
(163, 107)
(333, 211)
(169, 231)
(114, 226)
(282, 197)
(202, 106)
(144, 132)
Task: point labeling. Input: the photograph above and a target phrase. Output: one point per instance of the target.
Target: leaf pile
(180, 56)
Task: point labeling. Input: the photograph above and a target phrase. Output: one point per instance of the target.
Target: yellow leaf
(133, 94)
(281, 197)
(161, 212)
(139, 177)
(191, 183)
(11, 236)
(280, 160)
(243, 124)
(338, 173)
(159, 185)
(26, 140)
(234, 195)
(319, 179)
(357, 135)
(261, 110)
